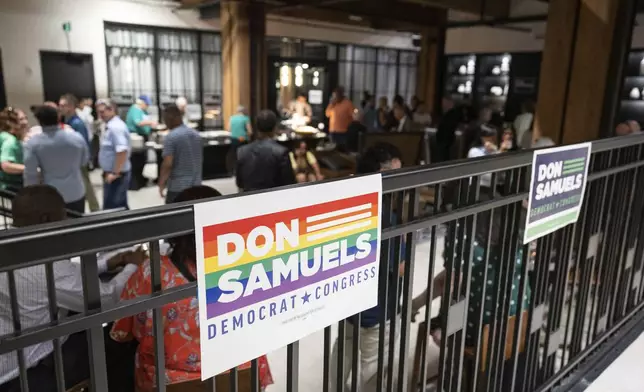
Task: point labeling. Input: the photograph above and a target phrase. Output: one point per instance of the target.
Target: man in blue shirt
(67, 107)
(114, 156)
(59, 155)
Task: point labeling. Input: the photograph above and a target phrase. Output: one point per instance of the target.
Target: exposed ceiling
(406, 15)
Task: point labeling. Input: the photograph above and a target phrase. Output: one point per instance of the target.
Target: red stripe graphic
(244, 226)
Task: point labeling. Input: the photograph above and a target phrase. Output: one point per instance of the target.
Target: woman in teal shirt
(239, 124)
(12, 130)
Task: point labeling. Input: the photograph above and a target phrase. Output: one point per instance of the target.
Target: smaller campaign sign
(557, 189)
(275, 267)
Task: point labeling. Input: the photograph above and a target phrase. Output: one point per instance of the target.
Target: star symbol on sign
(306, 297)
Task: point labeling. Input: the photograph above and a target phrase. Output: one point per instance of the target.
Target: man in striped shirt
(182, 156)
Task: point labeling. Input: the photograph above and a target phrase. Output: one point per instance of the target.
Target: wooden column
(243, 30)
(427, 68)
(575, 68)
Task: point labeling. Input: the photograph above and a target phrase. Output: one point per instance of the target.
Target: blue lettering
(238, 321)
(317, 292)
(251, 316)
(351, 279)
(359, 277)
(283, 308)
(224, 326)
(336, 286)
(327, 289)
(366, 274)
(273, 309)
(344, 283)
(212, 331)
(262, 312)
(373, 271)
(293, 300)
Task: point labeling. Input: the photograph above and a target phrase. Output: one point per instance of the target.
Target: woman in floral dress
(180, 319)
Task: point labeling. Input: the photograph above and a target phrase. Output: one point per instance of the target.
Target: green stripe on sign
(212, 279)
(573, 165)
(540, 229)
(579, 170)
(569, 161)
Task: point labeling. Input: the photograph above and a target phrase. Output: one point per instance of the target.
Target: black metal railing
(513, 317)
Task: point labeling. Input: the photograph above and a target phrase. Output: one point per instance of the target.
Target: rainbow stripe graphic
(335, 221)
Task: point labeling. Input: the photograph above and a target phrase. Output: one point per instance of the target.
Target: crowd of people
(67, 143)
(47, 167)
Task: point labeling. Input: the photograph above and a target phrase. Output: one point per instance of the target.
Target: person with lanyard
(137, 118)
(114, 156)
(13, 127)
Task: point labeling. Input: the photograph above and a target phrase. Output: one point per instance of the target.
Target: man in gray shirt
(182, 156)
(59, 154)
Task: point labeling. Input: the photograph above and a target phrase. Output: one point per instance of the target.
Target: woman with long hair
(13, 127)
(180, 319)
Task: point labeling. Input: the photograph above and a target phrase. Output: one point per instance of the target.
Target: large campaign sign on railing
(275, 267)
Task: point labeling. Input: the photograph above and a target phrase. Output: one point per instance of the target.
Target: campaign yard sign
(557, 189)
(277, 266)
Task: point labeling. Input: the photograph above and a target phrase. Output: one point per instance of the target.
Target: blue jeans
(115, 194)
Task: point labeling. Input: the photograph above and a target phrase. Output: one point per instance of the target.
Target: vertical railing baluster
(355, 353)
(339, 370)
(15, 315)
(53, 315)
(429, 297)
(326, 372)
(95, 340)
(292, 367)
(157, 317)
(254, 375)
(410, 260)
(383, 289)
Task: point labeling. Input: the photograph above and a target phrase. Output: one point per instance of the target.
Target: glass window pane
(344, 78)
(359, 54)
(346, 52)
(130, 64)
(371, 55)
(370, 77)
(129, 37)
(210, 43)
(358, 83)
(177, 41)
(212, 90)
(331, 52)
(387, 56)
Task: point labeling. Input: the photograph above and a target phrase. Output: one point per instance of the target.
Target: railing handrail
(60, 240)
